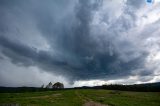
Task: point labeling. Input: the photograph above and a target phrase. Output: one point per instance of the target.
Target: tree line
(150, 87)
(48, 87)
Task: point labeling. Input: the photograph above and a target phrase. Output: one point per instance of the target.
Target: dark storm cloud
(135, 4)
(74, 51)
(20, 53)
(102, 65)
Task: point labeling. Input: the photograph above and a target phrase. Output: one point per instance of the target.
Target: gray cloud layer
(80, 40)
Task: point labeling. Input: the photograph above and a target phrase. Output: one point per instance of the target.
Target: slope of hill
(147, 87)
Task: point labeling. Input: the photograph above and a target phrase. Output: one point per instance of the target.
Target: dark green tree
(58, 85)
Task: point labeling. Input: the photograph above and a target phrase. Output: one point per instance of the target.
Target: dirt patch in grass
(11, 104)
(91, 103)
(37, 97)
(57, 94)
(46, 96)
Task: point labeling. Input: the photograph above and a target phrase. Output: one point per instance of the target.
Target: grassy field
(81, 98)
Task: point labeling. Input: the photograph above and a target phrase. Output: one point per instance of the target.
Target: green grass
(79, 97)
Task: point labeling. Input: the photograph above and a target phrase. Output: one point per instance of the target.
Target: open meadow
(81, 97)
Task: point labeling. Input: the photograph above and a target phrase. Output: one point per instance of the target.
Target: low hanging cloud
(79, 40)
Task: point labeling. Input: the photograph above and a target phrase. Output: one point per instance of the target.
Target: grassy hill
(81, 97)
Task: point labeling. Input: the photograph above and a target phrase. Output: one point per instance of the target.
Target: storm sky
(79, 42)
